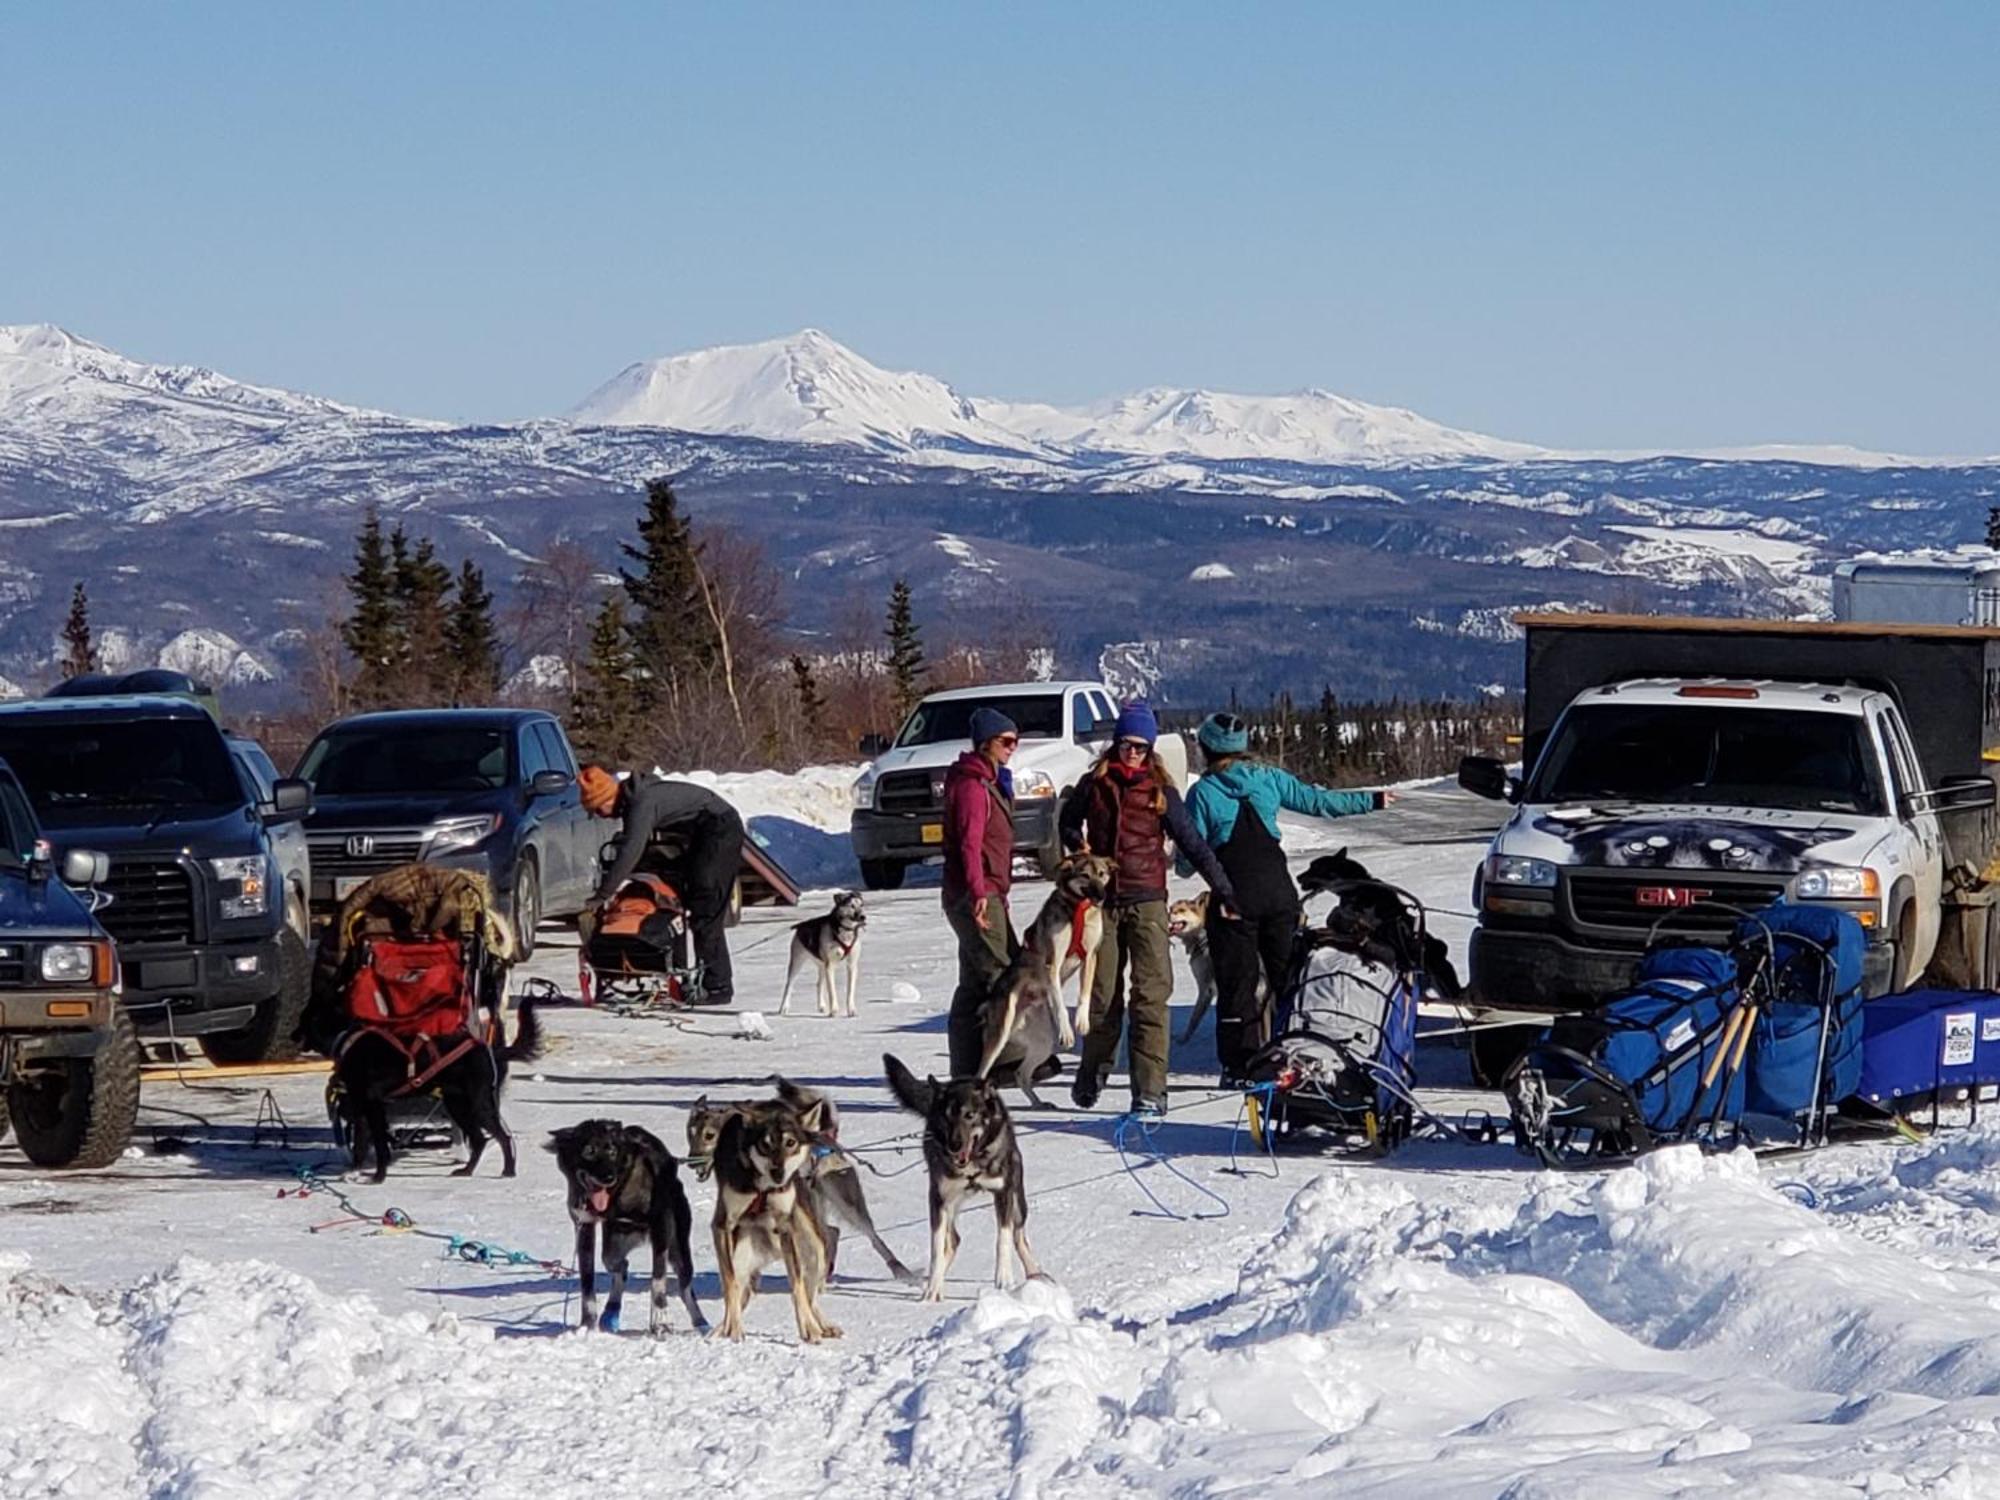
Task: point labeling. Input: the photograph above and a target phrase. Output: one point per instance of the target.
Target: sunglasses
(1134, 747)
(1009, 741)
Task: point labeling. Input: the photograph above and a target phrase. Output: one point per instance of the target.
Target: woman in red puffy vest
(1127, 808)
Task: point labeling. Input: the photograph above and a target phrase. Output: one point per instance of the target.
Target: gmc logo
(1669, 895)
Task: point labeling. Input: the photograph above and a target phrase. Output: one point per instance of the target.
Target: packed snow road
(1449, 1322)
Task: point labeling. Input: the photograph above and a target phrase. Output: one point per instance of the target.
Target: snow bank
(1682, 1327)
(800, 817)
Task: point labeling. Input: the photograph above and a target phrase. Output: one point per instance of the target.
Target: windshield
(75, 772)
(365, 762)
(1038, 716)
(17, 825)
(1728, 757)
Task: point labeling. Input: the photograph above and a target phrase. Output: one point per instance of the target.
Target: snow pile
(10, 689)
(801, 818)
(1210, 572)
(1675, 1328)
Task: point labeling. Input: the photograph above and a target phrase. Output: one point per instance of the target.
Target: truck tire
(527, 907)
(273, 1036)
(882, 874)
(80, 1114)
(1900, 975)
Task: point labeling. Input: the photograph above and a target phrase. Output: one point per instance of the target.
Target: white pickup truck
(1679, 767)
(898, 817)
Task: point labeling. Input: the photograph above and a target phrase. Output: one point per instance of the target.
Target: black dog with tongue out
(623, 1180)
(969, 1147)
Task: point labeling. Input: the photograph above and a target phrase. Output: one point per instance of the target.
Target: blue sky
(1570, 224)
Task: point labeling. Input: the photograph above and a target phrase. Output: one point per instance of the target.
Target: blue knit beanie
(989, 724)
(1136, 722)
(1223, 734)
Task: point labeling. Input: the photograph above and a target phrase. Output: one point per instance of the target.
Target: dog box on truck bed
(1946, 678)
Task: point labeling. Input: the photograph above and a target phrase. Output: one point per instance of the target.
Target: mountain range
(1196, 541)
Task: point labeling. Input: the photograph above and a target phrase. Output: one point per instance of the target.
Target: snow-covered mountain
(806, 388)
(1311, 427)
(810, 388)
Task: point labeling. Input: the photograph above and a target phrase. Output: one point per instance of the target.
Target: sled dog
(623, 1183)
(827, 942)
(969, 1147)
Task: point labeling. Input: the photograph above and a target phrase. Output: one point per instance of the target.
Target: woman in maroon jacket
(978, 869)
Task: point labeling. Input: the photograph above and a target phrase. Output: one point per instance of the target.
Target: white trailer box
(1920, 588)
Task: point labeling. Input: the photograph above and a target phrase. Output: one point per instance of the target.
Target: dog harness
(1076, 922)
(424, 1057)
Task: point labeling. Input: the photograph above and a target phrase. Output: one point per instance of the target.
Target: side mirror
(291, 800)
(873, 745)
(84, 868)
(548, 783)
(1483, 776)
(1955, 794)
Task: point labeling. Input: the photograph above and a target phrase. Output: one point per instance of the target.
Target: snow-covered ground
(1450, 1322)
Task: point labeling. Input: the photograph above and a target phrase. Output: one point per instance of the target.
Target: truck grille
(152, 901)
(1612, 901)
(387, 848)
(906, 792)
(13, 965)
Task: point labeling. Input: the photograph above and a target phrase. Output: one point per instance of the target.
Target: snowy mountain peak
(58, 376)
(807, 387)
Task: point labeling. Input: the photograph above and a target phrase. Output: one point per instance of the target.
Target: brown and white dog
(1024, 1021)
(763, 1213)
(1187, 923)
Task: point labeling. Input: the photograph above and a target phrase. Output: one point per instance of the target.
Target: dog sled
(1340, 1070)
(1750, 1044)
(417, 957)
(637, 953)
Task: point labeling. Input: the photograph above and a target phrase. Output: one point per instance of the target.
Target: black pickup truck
(211, 932)
(69, 1058)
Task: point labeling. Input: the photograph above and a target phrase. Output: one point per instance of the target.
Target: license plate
(346, 885)
(931, 833)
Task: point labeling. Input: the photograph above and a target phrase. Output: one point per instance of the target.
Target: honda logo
(1669, 895)
(360, 845)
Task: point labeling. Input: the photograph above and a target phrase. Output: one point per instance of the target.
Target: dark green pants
(983, 956)
(1135, 1000)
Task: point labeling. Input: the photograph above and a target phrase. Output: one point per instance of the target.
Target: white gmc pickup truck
(1804, 766)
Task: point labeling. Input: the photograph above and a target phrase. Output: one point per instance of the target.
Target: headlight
(1516, 872)
(863, 791)
(246, 885)
(1033, 784)
(1835, 884)
(461, 833)
(68, 963)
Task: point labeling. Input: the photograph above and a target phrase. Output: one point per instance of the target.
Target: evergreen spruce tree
(79, 651)
(812, 707)
(421, 592)
(369, 631)
(1993, 526)
(607, 704)
(671, 632)
(906, 652)
(472, 644)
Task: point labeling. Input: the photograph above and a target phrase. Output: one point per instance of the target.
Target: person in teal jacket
(1234, 807)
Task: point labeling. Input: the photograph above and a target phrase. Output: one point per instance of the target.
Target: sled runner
(1343, 1061)
(638, 950)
